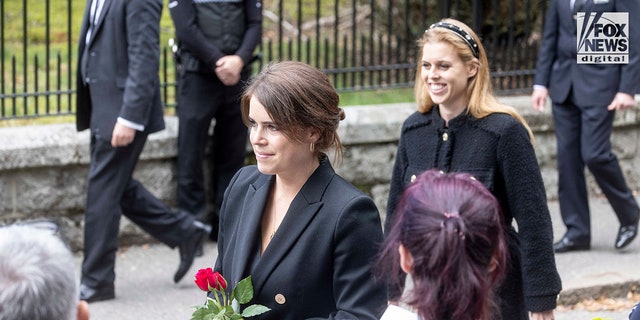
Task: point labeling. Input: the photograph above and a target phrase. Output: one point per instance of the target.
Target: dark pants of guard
(201, 98)
(583, 139)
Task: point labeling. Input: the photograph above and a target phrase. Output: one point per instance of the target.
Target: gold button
(280, 298)
(445, 136)
(413, 178)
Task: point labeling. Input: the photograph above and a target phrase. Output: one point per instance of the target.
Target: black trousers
(201, 98)
(111, 192)
(583, 139)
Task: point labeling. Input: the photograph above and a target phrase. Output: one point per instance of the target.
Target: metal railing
(361, 44)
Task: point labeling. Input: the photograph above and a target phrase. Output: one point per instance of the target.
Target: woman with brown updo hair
(301, 231)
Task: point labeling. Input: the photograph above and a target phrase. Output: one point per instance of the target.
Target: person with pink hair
(448, 234)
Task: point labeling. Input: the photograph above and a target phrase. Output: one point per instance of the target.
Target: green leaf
(232, 296)
(213, 306)
(229, 310)
(221, 314)
(254, 310)
(244, 290)
(199, 313)
(204, 313)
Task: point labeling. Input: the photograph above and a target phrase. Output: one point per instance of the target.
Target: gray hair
(37, 275)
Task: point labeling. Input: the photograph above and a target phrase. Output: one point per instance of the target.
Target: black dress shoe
(89, 294)
(626, 234)
(189, 247)
(565, 245)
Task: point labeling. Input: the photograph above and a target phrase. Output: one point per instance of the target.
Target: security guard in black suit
(216, 41)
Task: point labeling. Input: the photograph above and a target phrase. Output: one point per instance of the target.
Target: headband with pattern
(461, 33)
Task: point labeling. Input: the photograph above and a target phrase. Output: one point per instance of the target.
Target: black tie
(85, 53)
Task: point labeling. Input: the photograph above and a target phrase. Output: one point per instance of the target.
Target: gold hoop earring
(312, 147)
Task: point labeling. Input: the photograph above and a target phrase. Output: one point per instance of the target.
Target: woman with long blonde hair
(461, 127)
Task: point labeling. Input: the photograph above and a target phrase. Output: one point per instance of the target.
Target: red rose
(206, 278)
(225, 304)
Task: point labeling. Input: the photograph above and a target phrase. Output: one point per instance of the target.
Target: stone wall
(43, 168)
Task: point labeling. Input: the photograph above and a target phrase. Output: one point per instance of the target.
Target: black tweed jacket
(497, 151)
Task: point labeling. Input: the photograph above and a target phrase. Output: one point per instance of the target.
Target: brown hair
(481, 99)
(298, 96)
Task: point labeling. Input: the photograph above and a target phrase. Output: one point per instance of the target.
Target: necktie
(96, 7)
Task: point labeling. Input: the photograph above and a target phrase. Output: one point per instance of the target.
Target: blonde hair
(481, 99)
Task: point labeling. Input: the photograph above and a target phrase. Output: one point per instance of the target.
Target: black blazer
(317, 266)
(594, 84)
(124, 57)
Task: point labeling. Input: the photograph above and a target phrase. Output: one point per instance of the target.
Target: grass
(355, 98)
(27, 19)
(372, 97)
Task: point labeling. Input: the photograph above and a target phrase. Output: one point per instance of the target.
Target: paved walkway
(145, 289)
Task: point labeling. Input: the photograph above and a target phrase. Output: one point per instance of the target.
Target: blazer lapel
(84, 27)
(303, 209)
(103, 13)
(254, 202)
(85, 18)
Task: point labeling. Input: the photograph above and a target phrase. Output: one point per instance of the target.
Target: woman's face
(275, 153)
(445, 75)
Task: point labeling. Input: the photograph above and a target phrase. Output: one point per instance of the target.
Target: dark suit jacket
(319, 259)
(594, 84)
(124, 55)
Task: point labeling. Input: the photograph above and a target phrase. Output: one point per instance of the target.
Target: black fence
(361, 44)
